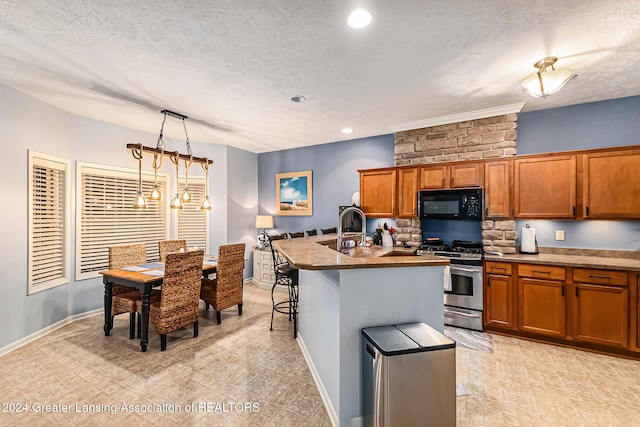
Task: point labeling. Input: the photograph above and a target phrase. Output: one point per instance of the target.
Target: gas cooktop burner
(460, 252)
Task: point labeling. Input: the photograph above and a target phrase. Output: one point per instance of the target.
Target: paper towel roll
(528, 241)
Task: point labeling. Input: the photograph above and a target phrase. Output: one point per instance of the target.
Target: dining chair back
(169, 246)
(296, 234)
(331, 230)
(312, 232)
(285, 276)
(277, 236)
(226, 289)
(124, 298)
(180, 296)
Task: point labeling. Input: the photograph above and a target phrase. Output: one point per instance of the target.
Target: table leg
(144, 326)
(108, 297)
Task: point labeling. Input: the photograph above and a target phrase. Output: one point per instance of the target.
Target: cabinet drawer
(600, 277)
(541, 271)
(498, 268)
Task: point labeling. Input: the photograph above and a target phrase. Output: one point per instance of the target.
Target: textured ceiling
(231, 66)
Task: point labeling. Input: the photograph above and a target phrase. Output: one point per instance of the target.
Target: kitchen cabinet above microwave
(451, 175)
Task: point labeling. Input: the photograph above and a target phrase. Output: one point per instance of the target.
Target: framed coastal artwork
(294, 193)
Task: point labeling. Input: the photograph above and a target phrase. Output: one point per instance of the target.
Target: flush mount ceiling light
(547, 80)
(359, 18)
(347, 130)
(297, 98)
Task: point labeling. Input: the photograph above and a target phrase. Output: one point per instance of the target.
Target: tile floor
(520, 384)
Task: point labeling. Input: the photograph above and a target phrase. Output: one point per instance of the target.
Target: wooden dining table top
(209, 265)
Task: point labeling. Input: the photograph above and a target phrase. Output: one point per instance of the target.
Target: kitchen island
(342, 293)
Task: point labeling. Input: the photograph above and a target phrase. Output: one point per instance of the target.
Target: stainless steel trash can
(408, 376)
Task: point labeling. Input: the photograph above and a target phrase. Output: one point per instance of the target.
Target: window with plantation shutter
(49, 215)
(192, 221)
(106, 216)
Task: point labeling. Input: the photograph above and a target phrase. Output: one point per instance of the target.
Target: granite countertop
(571, 260)
(313, 253)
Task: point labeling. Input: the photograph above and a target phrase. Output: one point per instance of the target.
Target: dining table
(143, 277)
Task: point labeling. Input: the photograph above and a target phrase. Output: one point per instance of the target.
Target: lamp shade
(264, 221)
(547, 80)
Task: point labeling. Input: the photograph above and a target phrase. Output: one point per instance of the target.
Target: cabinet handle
(587, 211)
(599, 277)
(499, 268)
(541, 272)
(577, 292)
(443, 183)
(574, 211)
(452, 181)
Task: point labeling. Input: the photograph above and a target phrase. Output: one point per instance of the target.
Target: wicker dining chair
(331, 230)
(226, 289)
(124, 298)
(169, 246)
(285, 275)
(180, 296)
(296, 234)
(312, 232)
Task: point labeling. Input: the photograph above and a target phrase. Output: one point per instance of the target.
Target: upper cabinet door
(545, 187)
(497, 190)
(434, 177)
(408, 193)
(378, 193)
(612, 185)
(466, 175)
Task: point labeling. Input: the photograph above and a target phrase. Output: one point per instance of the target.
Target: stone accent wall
(485, 138)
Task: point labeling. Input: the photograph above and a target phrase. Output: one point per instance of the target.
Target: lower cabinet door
(601, 314)
(542, 307)
(499, 301)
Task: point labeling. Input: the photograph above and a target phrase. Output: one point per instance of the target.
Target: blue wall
(335, 177)
(609, 123)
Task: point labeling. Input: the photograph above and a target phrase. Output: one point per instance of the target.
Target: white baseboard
(42, 332)
(333, 415)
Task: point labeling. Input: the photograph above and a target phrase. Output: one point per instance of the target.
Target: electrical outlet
(559, 234)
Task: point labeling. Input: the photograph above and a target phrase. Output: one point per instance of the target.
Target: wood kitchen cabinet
(497, 189)
(545, 187)
(601, 307)
(611, 186)
(451, 175)
(408, 193)
(541, 296)
(378, 193)
(499, 295)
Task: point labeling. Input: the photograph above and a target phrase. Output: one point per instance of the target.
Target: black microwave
(450, 204)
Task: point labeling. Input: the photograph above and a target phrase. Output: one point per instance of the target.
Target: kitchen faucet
(363, 242)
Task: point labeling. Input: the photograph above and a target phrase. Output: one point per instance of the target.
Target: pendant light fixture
(156, 194)
(175, 157)
(186, 196)
(547, 80)
(206, 202)
(176, 202)
(141, 202)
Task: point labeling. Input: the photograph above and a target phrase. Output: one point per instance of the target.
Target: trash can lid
(406, 338)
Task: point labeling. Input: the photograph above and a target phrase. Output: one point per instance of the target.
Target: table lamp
(264, 222)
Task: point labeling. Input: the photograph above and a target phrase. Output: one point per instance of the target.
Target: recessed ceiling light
(347, 130)
(297, 98)
(359, 18)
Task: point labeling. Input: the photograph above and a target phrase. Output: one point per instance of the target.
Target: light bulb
(186, 196)
(155, 194)
(176, 202)
(206, 204)
(141, 202)
(359, 18)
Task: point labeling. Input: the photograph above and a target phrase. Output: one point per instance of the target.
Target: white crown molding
(460, 117)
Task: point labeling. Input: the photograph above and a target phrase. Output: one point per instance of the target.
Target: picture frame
(294, 193)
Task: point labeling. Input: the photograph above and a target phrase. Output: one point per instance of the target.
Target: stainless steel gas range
(463, 299)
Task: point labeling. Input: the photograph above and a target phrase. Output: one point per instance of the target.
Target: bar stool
(285, 275)
(313, 232)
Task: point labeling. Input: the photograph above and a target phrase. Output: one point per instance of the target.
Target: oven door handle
(460, 313)
(468, 270)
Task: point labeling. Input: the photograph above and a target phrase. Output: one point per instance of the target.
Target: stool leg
(273, 305)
